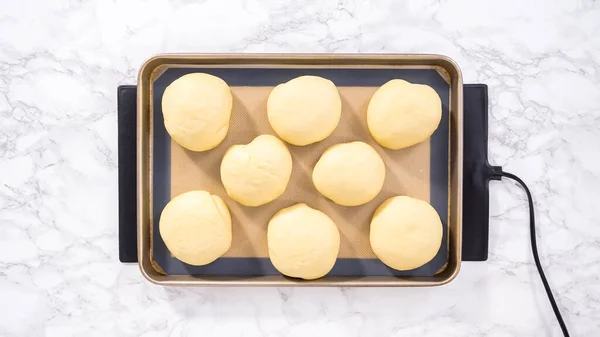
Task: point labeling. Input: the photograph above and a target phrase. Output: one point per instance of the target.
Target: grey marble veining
(60, 64)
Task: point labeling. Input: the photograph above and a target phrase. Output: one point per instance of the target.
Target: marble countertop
(60, 64)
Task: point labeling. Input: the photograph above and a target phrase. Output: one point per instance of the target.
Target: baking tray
(250, 76)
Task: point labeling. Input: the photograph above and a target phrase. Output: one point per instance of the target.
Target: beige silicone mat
(407, 173)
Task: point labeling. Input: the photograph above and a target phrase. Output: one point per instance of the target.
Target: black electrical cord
(498, 173)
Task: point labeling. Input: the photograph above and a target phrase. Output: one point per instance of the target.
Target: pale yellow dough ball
(196, 227)
(350, 174)
(303, 242)
(256, 173)
(402, 114)
(406, 233)
(304, 110)
(196, 108)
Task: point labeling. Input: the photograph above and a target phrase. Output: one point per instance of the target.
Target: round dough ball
(196, 227)
(196, 109)
(303, 242)
(406, 233)
(350, 174)
(402, 114)
(304, 110)
(257, 173)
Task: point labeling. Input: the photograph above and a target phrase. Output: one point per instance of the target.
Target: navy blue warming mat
(475, 221)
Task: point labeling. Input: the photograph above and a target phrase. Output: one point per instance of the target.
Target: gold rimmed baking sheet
(423, 171)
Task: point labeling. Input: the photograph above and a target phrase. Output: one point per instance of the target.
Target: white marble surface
(60, 64)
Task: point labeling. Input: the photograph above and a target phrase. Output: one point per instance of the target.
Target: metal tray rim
(365, 60)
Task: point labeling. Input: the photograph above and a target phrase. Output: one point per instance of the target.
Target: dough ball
(349, 174)
(402, 114)
(304, 110)
(406, 233)
(196, 227)
(303, 242)
(196, 109)
(257, 173)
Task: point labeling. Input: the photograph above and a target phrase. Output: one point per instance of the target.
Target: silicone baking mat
(420, 171)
